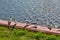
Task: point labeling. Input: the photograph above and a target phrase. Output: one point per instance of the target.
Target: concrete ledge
(32, 27)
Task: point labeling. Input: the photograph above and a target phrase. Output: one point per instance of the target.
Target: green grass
(19, 34)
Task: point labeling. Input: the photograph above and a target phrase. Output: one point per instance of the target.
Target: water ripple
(42, 10)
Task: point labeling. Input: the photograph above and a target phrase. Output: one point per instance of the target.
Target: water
(42, 10)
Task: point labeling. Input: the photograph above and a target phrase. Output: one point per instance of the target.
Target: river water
(42, 10)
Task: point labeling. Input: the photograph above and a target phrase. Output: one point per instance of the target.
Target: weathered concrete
(32, 27)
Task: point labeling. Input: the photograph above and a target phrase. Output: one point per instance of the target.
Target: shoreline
(31, 27)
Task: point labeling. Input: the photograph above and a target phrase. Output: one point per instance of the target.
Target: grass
(19, 34)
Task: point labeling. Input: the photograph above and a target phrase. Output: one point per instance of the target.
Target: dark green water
(43, 10)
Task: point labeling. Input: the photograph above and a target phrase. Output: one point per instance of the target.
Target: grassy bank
(19, 34)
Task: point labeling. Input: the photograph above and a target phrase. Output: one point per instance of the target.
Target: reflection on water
(42, 10)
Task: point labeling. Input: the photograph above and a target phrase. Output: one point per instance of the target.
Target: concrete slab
(32, 27)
